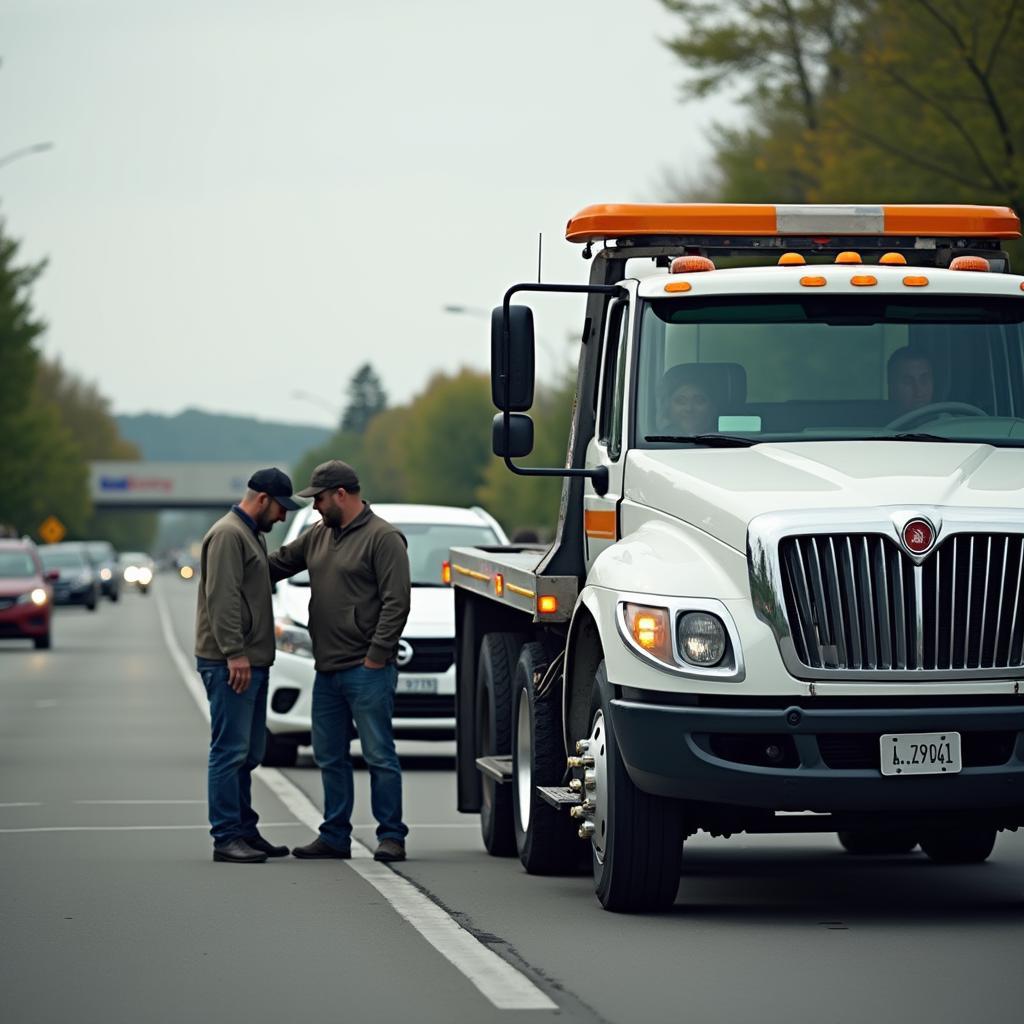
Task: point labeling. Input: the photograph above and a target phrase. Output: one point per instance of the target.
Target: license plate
(416, 684)
(921, 753)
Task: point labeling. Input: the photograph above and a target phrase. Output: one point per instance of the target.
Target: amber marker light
(849, 257)
(863, 280)
(969, 263)
(813, 282)
(915, 281)
(691, 265)
(678, 286)
(547, 604)
(499, 584)
(649, 628)
(792, 259)
(893, 259)
(446, 573)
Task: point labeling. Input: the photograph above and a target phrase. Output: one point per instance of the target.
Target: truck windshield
(813, 368)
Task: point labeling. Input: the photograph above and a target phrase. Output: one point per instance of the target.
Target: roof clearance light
(893, 259)
(792, 259)
(813, 282)
(446, 573)
(863, 280)
(547, 604)
(849, 257)
(969, 263)
(678, 286)
(691, 265)
(915, 281)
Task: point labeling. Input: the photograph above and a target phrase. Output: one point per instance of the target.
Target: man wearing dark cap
(359, 600)
(234, 652)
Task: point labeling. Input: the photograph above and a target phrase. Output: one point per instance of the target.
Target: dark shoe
(259, 843)
(389, 850)
(238, 851)
(320, 850)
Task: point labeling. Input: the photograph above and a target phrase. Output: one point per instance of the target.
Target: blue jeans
(238, 739)
(365, 698)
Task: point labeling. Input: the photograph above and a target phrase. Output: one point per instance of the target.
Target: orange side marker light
(863, 280)
(547, 604)
(678, 286)
(446, 573)
(813, 282)
(915, 281)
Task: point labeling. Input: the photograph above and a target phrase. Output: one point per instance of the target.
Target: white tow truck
(785, 591)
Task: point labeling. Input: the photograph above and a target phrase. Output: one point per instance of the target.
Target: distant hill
(214, 437)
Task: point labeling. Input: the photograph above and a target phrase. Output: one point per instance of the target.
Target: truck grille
(858, 601)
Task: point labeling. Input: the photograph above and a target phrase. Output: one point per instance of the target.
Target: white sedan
(425, 700)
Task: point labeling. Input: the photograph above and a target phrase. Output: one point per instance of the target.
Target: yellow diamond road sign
(52, 530)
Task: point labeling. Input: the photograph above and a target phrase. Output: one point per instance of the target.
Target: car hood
(74, 574)
(15, 586)
(720, 490)
(431, 613)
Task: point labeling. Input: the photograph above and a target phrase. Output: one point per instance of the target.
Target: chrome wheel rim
(524, 757)
(598, 795)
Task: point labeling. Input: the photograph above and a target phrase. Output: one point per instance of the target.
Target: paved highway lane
(117, 924)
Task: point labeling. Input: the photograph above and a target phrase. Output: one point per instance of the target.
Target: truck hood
(431, 613)
(720, 490)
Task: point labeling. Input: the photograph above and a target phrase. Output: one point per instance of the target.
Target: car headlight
(649, 628)
(131, 574)
(105, 575)
(145, 576)
(38, 597)
(292, 638)
(702, 638)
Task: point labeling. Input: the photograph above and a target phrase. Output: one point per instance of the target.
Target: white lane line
(495, 978)
(136, 828)
(133, 803)
(22, 805)
(423, 824)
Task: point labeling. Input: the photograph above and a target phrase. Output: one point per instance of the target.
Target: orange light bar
(691, 265)
(813, 282)
(547, 604)
(848, 257)
(499, 584)
(893, 259)
(915, 281)
(446, 573)
(633, 220)
(863, 280)
(792, 259)
(969, 263)
(678, 286)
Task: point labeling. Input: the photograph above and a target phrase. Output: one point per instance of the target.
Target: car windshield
(16, 565)
(101, 552)
(62, 558)
(135, 558)
(812, 368)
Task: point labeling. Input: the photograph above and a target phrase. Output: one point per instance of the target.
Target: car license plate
(416, 684)
(921, 753)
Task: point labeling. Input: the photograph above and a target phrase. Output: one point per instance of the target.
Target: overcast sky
(248, 199)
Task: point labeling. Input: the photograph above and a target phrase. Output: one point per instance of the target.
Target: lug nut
(575, 785)
(587, 829)
(590, 779)
(582, 746)
(582, 810)
(580, 762)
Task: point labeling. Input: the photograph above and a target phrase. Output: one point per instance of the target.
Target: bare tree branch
(799, 67)
(1011, 13)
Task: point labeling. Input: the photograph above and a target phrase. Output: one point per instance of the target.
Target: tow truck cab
(785, 588)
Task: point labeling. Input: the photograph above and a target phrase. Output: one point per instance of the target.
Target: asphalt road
(111, 909)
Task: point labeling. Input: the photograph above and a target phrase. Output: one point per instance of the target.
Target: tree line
(52, 423)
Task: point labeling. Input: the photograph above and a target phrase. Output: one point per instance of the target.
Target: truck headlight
(649, 628)
(292, 638)
(702, 639)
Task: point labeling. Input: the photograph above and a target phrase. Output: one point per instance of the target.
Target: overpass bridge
(168, 485)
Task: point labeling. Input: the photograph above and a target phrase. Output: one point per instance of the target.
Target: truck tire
(967, 846)
(638, 838)
(866, 842)
(498, 653)
(545, 836)
(280, 752)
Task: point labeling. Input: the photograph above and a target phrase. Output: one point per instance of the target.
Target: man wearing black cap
(234, 652)
(359, 600)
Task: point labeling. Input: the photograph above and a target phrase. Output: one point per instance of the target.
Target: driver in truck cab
(911, 380)
(687, 404)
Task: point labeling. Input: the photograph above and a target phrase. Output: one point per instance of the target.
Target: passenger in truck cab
(911, 381)
(689, 401)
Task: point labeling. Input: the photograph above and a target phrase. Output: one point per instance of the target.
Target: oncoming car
(137, 570)
(425, 699)
(77, 579)
(26, 595)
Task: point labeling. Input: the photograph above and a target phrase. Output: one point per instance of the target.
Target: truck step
(558, 796)
(497, 768)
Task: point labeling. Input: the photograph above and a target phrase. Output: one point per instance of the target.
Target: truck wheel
(545, 837)
(498, 653)
(637, 838)
(866, 841)
(968, 846)
(280, 752)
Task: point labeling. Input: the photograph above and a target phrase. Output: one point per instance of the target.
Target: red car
(26, 596)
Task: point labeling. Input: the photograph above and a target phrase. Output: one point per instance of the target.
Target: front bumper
(829, 757)
(21, 620)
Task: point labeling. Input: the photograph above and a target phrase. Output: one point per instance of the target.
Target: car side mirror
(51, 575)
(520, 435)
(512, 347)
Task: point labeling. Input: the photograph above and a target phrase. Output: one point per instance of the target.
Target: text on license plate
(416, 684)
(921, 753)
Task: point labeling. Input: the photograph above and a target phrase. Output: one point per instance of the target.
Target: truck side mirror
(513, 349)
(520, 435)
